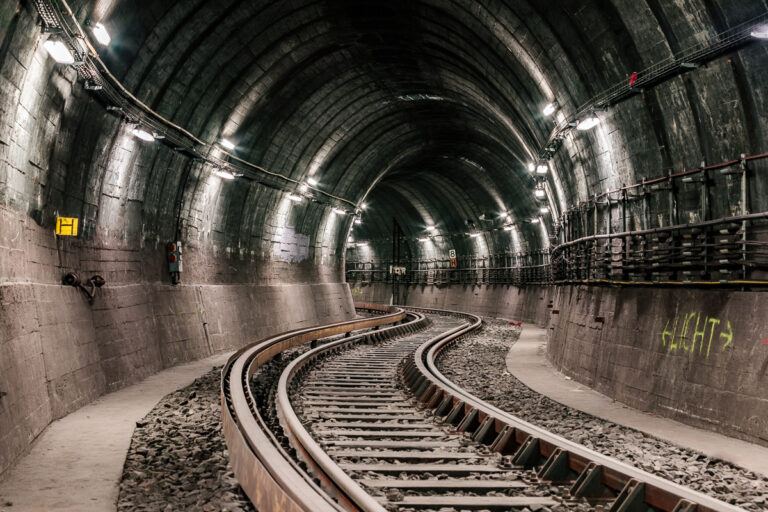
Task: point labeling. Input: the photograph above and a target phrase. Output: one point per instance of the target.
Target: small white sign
(452, 253)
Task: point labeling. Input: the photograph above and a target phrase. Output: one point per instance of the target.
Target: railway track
(374, 426)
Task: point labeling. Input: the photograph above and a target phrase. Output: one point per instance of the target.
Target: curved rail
(334, 479)
(594, 476)
(267, 474)
(274, 481)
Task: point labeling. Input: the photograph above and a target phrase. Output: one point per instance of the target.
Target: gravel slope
(478, 358)
(178, 459)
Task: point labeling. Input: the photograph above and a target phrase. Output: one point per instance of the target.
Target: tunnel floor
(76, 463)
(527, 361)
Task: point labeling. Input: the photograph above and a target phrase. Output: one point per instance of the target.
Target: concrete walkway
(527, 361)
(76, 463)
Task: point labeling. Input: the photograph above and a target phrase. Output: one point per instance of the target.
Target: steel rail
(267, 474)
(595, 476)
(333, 477)
(274, 481)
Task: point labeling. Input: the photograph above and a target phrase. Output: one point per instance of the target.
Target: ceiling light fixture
(423, 240)
(544, 209)
(760, 32)
(504, 215)
(59, 51)
(431, 228)
(362, 244)
(339, 211)
(531, 167)
(224, 174)
(312, 181)
(588, 123)
(542, 168)
(508, 227)
(143, 134)
(295, 198)
(303, 187)
(539, 192)
(358, 221)
(227, 144)
(535, 220)
(474, 235)
(364, 206)
(101, 34)
(550, 108)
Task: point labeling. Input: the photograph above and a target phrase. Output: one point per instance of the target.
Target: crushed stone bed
(178, 459)
(478, 359)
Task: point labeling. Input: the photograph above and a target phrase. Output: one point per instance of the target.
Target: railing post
(672, 200)
(646, 206)
(744, 211)
(705, 214)
(595, 221)
(623, 199)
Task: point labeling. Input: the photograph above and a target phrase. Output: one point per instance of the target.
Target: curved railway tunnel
(220, 172)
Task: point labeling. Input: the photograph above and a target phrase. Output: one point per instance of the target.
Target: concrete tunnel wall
(60, 353)
(248, 273)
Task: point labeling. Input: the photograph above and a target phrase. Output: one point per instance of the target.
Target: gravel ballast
(479, 359)
(178, 459)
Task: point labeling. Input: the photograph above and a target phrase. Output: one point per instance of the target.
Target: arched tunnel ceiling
(428, 110)
(351, 92)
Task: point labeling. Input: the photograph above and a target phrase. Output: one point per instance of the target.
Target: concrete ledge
(76, 463)
(527, 361)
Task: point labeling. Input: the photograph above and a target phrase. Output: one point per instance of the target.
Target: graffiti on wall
(697, 333)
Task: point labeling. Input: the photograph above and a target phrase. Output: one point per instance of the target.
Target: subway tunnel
(180, 179)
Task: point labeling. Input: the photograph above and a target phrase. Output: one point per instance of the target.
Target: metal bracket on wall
(94, 282)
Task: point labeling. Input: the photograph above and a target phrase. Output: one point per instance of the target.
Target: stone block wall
(700, 357)
(59, 352)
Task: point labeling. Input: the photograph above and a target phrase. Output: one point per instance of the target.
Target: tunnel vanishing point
(179, 178)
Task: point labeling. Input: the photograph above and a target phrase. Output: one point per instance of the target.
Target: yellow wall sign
(66, 226)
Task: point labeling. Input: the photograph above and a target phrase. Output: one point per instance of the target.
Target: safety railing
(729, 252)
